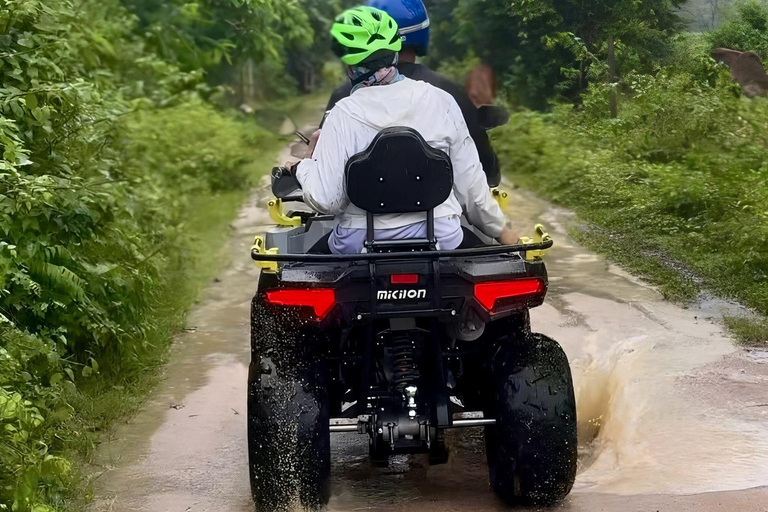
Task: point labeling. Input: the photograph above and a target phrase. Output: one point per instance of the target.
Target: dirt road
(673, 417)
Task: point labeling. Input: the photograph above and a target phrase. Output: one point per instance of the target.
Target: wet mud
(672, 415)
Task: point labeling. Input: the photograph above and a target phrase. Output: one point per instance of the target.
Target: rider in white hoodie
(368, 42)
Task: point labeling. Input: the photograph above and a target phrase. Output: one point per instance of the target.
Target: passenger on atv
(368, 43)
(413, 337)
(413, 21)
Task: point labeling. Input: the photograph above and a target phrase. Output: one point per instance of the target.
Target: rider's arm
(487, 156)
(322, 176)
(470, 184)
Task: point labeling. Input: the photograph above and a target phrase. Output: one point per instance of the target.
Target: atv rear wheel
(532, 449)
(289, 444)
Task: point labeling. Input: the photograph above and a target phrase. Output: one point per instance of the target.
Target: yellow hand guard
(539, 236)
(501, 197)
(275, 207)
(260, 248)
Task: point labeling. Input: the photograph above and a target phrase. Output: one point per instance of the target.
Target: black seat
(399, 173)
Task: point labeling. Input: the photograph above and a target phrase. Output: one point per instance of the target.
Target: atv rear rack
(491, 250)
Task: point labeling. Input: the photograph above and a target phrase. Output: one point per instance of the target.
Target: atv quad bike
(401, 343)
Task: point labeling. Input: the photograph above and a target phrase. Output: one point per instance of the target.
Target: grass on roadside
(751, 332)
(675, 188)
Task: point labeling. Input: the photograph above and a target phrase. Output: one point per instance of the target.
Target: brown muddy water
(672, 415)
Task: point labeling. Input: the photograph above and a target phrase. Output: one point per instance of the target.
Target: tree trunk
(612, 77)
(251, 81)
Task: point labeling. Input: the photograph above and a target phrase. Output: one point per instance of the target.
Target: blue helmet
(411, 16)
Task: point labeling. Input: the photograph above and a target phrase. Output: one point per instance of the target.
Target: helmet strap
(363, 78)
(374, 66)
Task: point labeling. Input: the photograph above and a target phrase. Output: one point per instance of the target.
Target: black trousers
(471, 240)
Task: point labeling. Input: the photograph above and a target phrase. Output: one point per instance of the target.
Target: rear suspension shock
(405, 372)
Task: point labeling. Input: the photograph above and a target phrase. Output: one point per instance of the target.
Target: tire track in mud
(670, 409)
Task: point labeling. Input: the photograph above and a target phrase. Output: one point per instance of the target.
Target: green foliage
(202, 34)
(751, 332)
(691, 53)
(745, 29)
(309, 60)
(444, 43)
(457, 70)
(667, 115)
(284, 42)
(169, 139)
(103, 146)
(677, 185)
(544, 48)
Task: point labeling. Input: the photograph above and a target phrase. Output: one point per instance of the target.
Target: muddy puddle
(656, 416)
(670, 410)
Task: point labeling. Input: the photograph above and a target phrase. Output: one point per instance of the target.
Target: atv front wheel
(532, 449)
(289, 444)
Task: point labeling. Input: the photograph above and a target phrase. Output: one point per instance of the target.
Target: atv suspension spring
(406, 372)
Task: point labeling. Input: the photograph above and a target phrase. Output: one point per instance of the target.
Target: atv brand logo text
(402, 294)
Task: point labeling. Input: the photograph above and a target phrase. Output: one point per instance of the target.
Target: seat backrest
(399, 173)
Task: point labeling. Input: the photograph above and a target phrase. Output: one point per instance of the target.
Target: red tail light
(321, 300)
(490, 294)
(405, 279)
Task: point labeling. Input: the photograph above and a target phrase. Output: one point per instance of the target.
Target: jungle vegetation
(123, 151)
(121, 158)
(660, 153)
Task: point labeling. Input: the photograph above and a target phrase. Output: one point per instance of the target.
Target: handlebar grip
(279, 172)
(284, 172)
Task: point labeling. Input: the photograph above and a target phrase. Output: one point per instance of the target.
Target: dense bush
(745, 29)
(103, 144)
(170, 140)
(259, 48)
(547, 48)
(677, 184)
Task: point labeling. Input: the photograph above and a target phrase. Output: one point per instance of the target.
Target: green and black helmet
(363, 34)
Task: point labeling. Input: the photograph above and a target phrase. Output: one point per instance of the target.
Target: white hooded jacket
(353, 124)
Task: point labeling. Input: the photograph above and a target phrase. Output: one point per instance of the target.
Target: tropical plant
(675, 186)
(103, 144)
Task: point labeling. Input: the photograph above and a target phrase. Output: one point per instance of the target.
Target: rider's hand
(312, 144)
(291, 165)
(508, 237)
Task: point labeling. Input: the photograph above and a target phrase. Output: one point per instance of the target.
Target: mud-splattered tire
(289, 444)
(532, 450)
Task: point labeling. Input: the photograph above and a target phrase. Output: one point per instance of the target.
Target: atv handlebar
(284, 183)
(491, 250)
